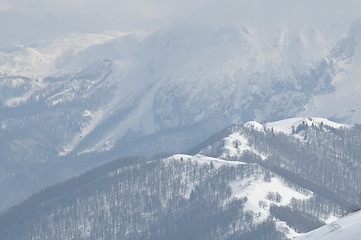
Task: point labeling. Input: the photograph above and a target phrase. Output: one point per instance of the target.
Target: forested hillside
(251, 181)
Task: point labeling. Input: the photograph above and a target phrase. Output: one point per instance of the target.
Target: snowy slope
(49, 58)
(285, 126)
(346, 58)
(261, 192)
(264, 194)
(346, 228)
(296, 126)
(204, 160)
(237, 143)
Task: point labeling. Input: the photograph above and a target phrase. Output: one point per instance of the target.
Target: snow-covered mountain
(249, 181)
(80, 100)
(346, 228)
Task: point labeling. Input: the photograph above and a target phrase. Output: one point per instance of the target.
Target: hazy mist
(23, 21)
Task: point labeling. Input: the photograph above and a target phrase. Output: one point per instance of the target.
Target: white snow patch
(64, 96)
(87, 113)
(283, 227)
(17, 82)
(96, 118)
(33, 85)
(256, 191)
(330, 219)
(286, 125)
(255, 125)
(12, 102)
(141, 118)
(87, 127)
(235, 144)
(201, 159)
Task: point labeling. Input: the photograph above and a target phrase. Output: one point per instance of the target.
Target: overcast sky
(31, 20)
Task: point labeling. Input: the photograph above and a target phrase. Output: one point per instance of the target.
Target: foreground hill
(347, 228)
(251, 181)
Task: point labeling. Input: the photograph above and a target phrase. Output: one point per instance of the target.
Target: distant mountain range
(81, 100)
(249, 181)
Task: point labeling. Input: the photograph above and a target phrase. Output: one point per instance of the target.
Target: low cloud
(29, 20)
